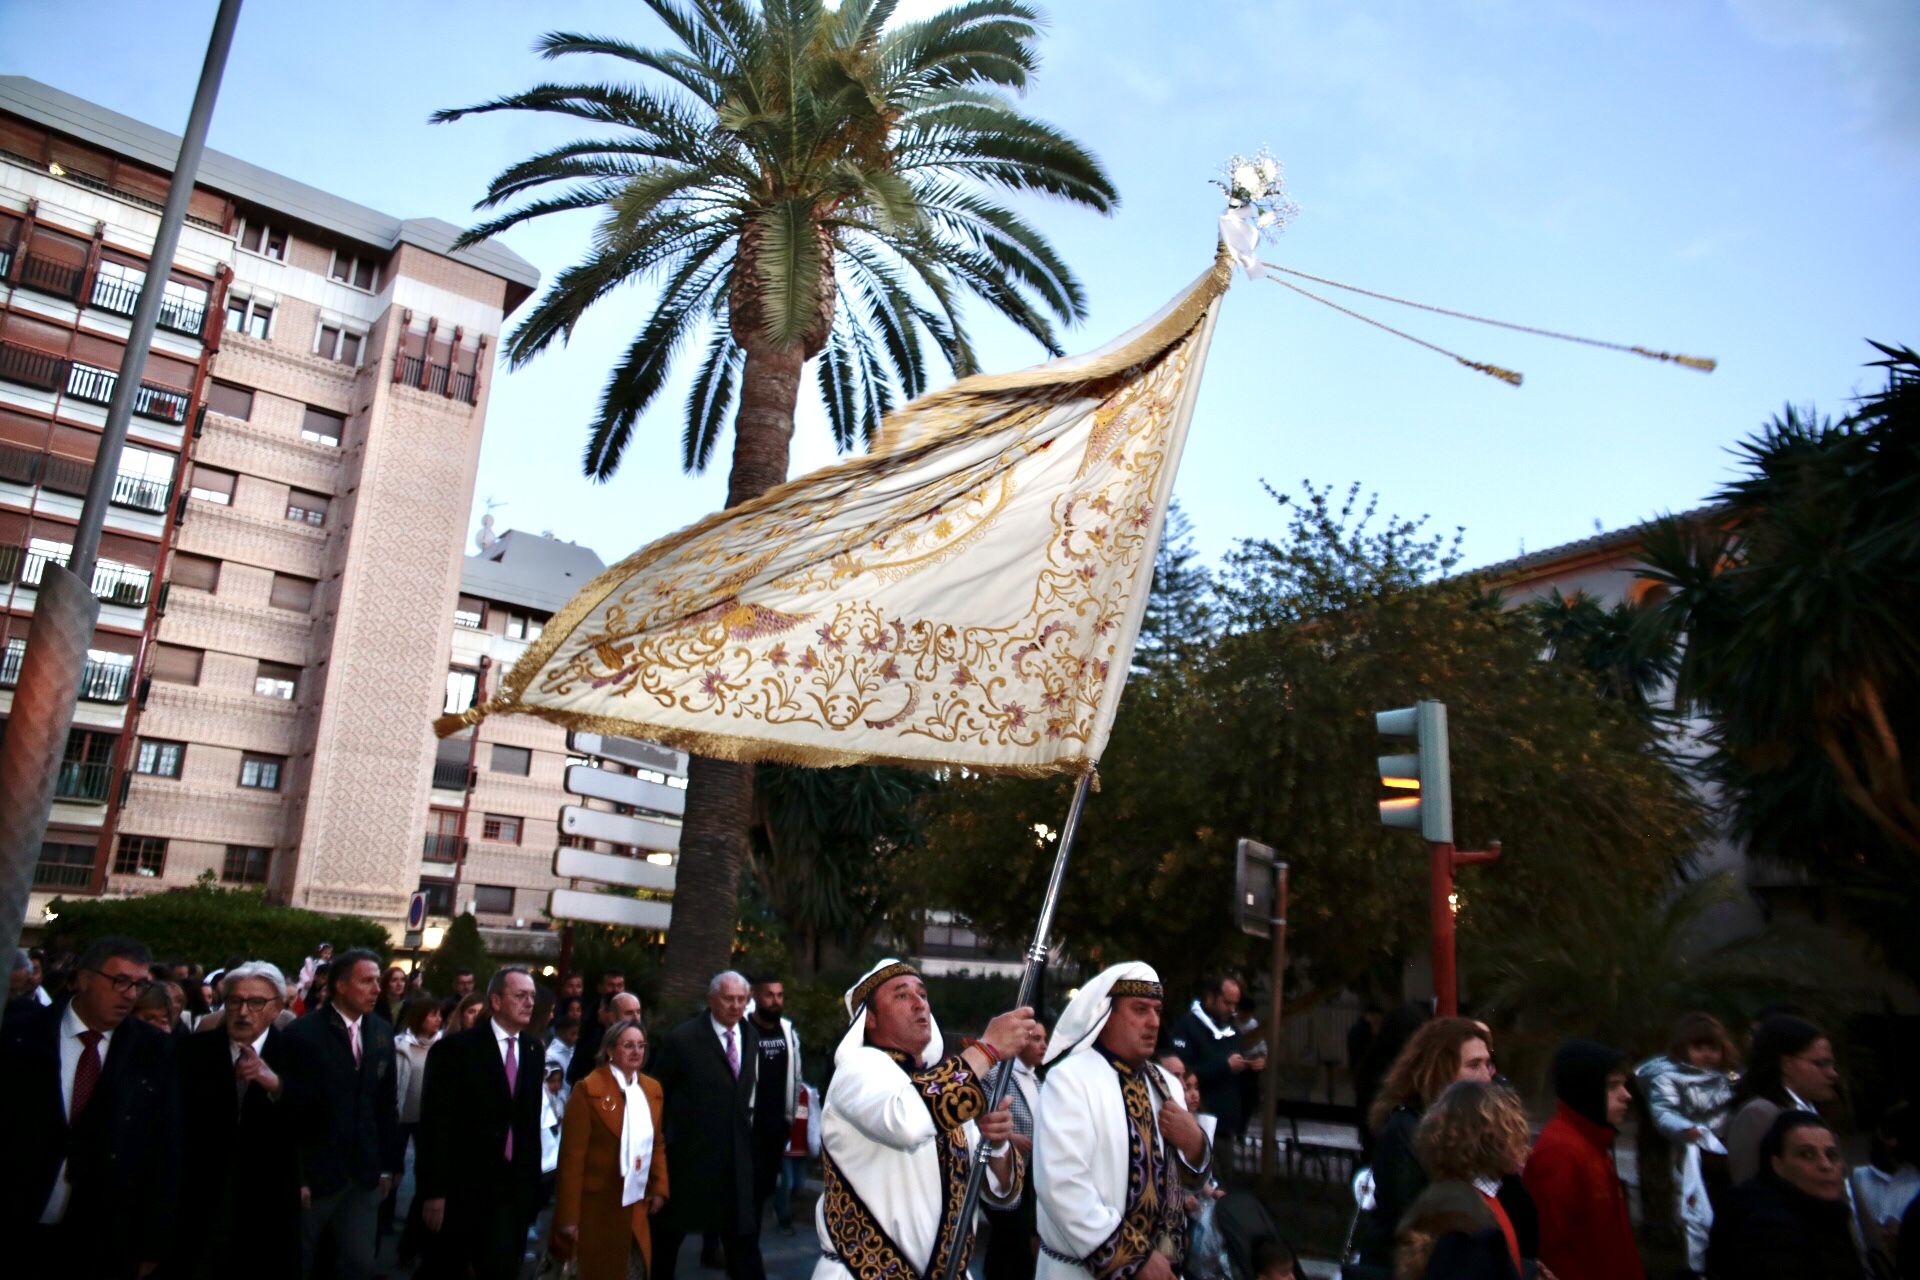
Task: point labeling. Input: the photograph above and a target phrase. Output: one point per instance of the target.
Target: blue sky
(1736, 178)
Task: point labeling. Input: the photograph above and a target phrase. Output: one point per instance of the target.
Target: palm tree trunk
(713, 835)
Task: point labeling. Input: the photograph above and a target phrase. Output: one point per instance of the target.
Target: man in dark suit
(340, 1086)
(479, 1162)
(90, 1116)
(1210, 1044)
(707, 1070)
(239, 1155)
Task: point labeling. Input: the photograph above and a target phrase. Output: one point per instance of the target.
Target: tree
(1268, 732)
(803, 182)
(461, 948)
(1797, 603)
(1627, 650)
(1180, 602)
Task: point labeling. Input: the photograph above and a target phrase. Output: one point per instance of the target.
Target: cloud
(1869, 48)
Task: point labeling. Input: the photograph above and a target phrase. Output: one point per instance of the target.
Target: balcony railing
(105, 681)
(44, 275)
(30, 467)
(95, 385)
(444, 848)
(112, 583)
(10, 658)
(440, 379)
(180, 314)
(61, 875)
(141, 495)
(183, 315)
(117, 296)
(81, 780)
(6, 260)
(452, 775)
(31, 367)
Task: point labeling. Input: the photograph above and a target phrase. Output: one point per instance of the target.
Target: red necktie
(512, 1076)
(86, 1074)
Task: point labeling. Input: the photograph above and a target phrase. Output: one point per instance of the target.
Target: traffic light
(1421, 780)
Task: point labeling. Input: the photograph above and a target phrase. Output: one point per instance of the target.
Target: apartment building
(493, 816)
(283, 552)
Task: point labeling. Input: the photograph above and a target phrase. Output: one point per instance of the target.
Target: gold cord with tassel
(447, 726)
(1507, 376)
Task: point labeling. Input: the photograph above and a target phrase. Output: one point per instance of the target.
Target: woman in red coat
(1585, 1231)
(613, 1167)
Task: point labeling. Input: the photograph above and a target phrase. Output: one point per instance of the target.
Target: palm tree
(801, 182)
(1626, 650)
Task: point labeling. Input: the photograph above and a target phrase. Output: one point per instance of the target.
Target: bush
(208, 924)
(462, 948)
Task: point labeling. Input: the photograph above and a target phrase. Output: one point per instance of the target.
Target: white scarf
(1219, 1032)
(636, 1138)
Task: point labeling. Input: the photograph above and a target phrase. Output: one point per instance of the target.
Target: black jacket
(1767, 1229)
(1398, 1180)
(240, 1161)
(346, 1122)
(122, 1157)
(466, 1112)
(708, 1131)
(1221, 1090)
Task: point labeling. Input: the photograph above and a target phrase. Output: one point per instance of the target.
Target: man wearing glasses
(89, 1107)
(241, 1152)
(479, 1163)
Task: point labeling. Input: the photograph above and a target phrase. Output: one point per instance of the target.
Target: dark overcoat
(709, 1130)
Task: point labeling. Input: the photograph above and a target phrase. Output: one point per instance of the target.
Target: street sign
(417, 913)
(642, 833)
(611, 868)
(608, 908)
(644, 755)
(1253, 888)
(621, 788)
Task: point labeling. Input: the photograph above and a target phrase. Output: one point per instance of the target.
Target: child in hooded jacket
(1586, 1232)
(1689, 1097)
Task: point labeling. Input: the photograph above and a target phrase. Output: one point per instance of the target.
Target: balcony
(10, 663)
(141, 495)
(440, 379)
(99, 681)
(179, 311)
(30, 467)
(118, 296)
(183, 315)
(444, 848)
(45, 275)
(95, 385)
(31, 367)
(82, 780)
(452, 775)
(61, 875)
(112, 583)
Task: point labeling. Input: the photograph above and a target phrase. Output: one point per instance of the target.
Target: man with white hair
(239, 1153)
(901, 1118)
(707, 1069)
(1113, 1143)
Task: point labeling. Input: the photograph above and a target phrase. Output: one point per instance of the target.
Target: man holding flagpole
(1113, 1143)
(901, 1119)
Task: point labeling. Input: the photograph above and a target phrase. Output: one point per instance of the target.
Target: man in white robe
(900, 1121)
(1114, 1146)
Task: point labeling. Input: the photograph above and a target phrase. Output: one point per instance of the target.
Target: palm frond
(708, 401)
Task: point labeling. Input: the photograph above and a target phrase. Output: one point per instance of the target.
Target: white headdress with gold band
(1086, 1015)
(861, 992)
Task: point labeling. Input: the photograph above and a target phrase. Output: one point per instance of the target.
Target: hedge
(209, 925)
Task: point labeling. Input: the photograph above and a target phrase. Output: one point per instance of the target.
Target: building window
(230, 401)
(144, 480)
(140, 856)
(469, 612)
(511, 760)
(276, 680)
(292, 593)
(176, 664)
(307, 508)
(439, 896)
(463, 688)
(246, 864)
(211, 484)
(336, 342)
(501, 827)
(268, 242)
(244, 315)
(493, 899)
(64, 866)
(202, 573)
(261, 773)
(521, 626)
(361, 273)
(158, 758)
(321, 427)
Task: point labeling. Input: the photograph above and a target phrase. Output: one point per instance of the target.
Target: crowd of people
(166, 1123)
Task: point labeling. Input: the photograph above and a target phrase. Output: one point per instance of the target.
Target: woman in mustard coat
(613, 1163)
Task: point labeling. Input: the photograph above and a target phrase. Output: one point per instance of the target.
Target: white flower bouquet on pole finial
(1258, 206)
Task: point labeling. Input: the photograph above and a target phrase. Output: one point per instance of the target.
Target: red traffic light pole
(1444, 860)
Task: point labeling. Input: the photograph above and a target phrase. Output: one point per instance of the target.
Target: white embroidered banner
(968, 593)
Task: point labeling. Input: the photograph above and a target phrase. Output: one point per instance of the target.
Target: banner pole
(1029, 983)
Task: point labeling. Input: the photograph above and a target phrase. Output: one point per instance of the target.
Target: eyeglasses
(121, 983)
(253, 1004)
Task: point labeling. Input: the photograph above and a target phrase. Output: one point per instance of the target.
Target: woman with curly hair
(1441, 1052)
(1469, 1141)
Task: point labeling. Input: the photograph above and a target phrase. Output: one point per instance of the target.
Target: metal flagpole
(65, 610)
(1029, 982)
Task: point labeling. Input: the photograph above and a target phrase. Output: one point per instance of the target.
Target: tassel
(1507, 376)
(1704, 364)
(447, 726)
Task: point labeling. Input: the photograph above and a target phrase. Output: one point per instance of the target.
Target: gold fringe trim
(1507, 376)
(1705, 364)
(1175, 325)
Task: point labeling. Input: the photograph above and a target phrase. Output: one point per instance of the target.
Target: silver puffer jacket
(1683, 1097)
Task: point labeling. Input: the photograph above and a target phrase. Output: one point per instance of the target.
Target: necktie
(733, 1054)
(1022, 1113)
(353, 1038)
(513, 1075)
(86, 1074)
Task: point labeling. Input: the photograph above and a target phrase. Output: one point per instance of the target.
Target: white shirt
(233, 1047)
(739, 1041)
(70, 1048)
(1882, 1195)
